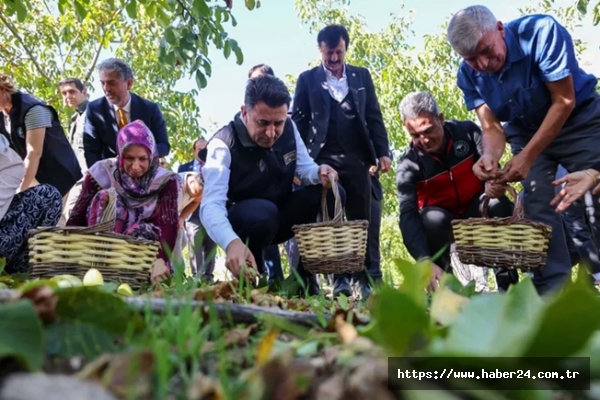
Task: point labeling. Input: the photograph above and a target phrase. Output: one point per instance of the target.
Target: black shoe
(341, 285)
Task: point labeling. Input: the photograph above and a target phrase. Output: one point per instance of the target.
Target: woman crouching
(147, 194)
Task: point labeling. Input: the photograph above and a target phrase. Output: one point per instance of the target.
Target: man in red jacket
(436, 184)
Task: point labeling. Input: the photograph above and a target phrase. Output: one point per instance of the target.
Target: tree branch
(106, 30)
(29, 52)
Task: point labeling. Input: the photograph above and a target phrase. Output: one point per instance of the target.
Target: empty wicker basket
(513, 242)
(334, 245)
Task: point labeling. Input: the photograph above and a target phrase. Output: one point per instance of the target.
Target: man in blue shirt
(525, 74)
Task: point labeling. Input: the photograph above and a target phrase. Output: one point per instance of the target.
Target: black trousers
(260, 223)
(438, 229)
(355, 178)
(373, 240)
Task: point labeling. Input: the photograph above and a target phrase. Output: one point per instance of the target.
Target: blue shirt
(539, 50)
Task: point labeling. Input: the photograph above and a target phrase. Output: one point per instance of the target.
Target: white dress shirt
(338, 88)
(126, 108)
(216, 171)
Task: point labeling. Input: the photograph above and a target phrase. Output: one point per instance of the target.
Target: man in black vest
(338, 116)
(248, 202)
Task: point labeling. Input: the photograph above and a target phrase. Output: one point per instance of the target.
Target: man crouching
(248, 201)
(436, 184)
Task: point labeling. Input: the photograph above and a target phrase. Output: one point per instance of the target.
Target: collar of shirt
(82, 107)
(126, 107)
(338, 88)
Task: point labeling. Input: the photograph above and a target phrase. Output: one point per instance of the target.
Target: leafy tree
(163, 40)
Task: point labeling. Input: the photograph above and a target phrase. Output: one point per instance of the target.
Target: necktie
(121, 118)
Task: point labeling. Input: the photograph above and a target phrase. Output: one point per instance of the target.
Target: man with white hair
(436, 184)
(525, 74)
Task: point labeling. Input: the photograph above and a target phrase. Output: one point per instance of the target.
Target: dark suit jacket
(311, 108)
(101, 127)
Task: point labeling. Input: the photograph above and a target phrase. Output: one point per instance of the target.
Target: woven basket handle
(338, 202)
(518, 212)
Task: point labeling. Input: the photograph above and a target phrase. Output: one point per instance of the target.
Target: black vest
(344, 134)
(58, 165)
(256, 172)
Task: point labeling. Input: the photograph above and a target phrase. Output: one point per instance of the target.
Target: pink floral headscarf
(135, 192)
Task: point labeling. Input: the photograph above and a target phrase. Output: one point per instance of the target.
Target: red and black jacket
(443, 180)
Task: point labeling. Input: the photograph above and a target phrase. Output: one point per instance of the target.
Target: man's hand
(494, 190)
(297, 181)
(160, 272)
(385, 163)
(576, 185)
(436, 277)
(324, 171)
(372, 170)
(238, 256)
(486, 168)
(516, 169)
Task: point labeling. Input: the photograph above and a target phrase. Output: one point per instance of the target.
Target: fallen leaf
(203, 387)
(44, 300)
(239, 336)
(264, 348)
(332, 388)
(129, 375)
(446, 305)
(218, 291)
(126, 375)
(346, 332)
(369, 380)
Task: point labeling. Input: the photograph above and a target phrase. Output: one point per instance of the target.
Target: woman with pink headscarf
(147, 194)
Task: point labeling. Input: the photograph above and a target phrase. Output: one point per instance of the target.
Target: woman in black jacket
(34, 131)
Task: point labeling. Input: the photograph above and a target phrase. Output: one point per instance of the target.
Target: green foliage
(163, 41)
(21, 334)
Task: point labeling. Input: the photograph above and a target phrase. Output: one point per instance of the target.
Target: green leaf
(200, 80)
(497, 324)
(202, 8)
(72, 338)
(22, 334)
(238, 52)
(399, 321)
(582, 6)
(170, 36)
(80, 10)
(131, 8)
(2, 265)
(227, 49)
(250, 4)
(573, 314)
(94, 306)
(416, 278)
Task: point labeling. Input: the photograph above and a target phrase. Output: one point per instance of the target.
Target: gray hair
(116, 65)
(467, 26)
(418, 103)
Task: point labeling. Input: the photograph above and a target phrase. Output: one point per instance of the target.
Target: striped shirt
(38, 116)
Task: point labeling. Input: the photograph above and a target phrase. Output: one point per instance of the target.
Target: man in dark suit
(338, 116)
(105, 116)
(201, 247)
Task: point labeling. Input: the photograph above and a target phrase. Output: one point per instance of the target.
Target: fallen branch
(238, 313)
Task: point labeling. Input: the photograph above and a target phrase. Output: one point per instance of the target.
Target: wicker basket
(513, 242)
(74, 250)
(334, 245)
